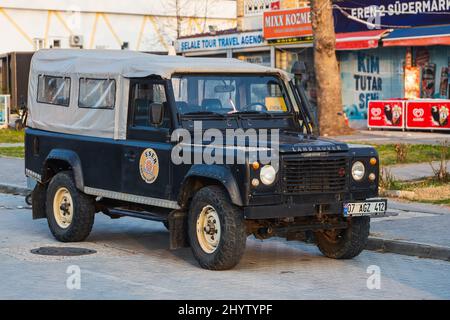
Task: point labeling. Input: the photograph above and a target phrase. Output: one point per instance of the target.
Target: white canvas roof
(130, 64)
(117, 65)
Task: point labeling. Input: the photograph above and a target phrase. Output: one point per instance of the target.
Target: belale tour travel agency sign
(286, 24)
(221, 42)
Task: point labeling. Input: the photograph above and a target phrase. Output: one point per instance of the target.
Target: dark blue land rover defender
(216, 149)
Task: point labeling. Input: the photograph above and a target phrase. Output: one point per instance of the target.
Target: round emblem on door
(149, 165)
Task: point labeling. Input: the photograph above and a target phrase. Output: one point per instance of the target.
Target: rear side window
(54, 90)
(97, 93)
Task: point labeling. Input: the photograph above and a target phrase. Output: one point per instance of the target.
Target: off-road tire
(83, 211)
(352, 242)
(233, 237)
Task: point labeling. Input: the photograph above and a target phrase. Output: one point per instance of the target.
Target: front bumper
(298, 210)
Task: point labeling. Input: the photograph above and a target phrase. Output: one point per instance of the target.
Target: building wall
(144, 25)
(370, 75)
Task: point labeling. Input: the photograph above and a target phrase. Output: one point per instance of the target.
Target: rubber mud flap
(178, 230)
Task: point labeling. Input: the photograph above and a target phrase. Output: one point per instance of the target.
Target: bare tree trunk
(329, 91)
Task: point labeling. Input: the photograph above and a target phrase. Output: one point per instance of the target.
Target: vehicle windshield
(230, 94)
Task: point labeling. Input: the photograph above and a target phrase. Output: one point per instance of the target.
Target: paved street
(132, 261)
(12, 172)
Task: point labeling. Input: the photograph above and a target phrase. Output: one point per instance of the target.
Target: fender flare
(221, 174)
(72, 159)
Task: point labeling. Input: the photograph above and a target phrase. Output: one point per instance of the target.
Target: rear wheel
(70, 213)
(216, 229)
(345, 244)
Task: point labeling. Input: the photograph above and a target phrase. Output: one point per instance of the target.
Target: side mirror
(156, 113)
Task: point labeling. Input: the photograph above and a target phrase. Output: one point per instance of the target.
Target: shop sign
(293, 23)
(386, 114)
(295, 40)
(221, 42)
(351, 16)
(428, 114)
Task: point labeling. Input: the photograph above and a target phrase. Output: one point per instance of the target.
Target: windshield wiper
(204, 113)
(252, 112)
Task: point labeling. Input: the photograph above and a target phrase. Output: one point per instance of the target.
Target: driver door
(146, 156)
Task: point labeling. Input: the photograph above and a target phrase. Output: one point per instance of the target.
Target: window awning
(423, 36)
(359, 40)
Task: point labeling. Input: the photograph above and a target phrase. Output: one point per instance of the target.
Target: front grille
(314, 175)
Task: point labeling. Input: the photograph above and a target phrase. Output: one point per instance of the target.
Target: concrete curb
(16, 190)
(407, 248)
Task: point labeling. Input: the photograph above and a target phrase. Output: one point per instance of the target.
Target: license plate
(366, 208)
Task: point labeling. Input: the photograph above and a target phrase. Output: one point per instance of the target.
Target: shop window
(97, 93)
(53, 90)
(56, 44)
(257, 7)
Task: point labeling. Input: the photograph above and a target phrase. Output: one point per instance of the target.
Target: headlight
(358, 171)
(267, 175)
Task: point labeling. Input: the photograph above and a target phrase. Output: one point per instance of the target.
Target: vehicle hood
(299, 143)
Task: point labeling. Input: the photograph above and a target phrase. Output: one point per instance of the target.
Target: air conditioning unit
(76, 41)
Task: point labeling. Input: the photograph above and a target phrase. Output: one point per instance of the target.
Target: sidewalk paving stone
(414, 171)
(389, 137)
(415, 223)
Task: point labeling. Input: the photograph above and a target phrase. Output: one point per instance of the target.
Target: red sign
(428, 114)
(275, 5)
(287, 23)
(386, 114)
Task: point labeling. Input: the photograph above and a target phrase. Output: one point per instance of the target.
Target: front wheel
(216, 229)
(344, 244)
(70, 213)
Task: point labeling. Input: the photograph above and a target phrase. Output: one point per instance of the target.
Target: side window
(53, 90)
(97, 93)
(143, 94)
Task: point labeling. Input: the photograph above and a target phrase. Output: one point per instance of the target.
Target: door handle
(130, 155)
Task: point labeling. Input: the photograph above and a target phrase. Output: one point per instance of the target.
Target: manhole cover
(62, 251)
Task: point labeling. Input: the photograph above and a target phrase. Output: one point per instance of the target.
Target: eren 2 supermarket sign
(291, 23)
(434, 115)
(350, 15)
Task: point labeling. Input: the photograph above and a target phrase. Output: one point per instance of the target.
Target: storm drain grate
(62, 251)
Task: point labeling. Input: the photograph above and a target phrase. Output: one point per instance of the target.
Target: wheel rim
(208, 229)
(63, 208)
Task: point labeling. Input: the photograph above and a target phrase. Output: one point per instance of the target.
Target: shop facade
(379, 58)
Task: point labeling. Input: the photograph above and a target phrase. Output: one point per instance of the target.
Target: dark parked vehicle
(130, 134)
